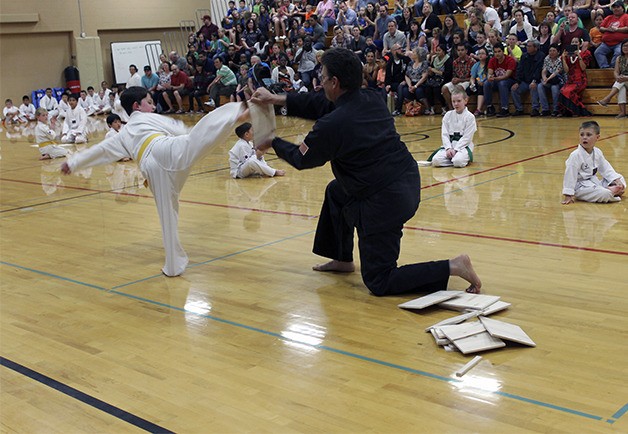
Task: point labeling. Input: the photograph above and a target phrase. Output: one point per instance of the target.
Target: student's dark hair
(345, 65)
(134, 94)
(48, 88)
(498, 45)
(133, 66)
(241, 130)
(8, 100)
(72, 96)
(112, 118)
(90, 87)
(590, 124)
(25, 97)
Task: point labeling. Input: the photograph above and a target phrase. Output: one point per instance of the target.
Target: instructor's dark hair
(345, 65)
(134, 94)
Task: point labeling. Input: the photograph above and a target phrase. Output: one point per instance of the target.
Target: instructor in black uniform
(376, 187)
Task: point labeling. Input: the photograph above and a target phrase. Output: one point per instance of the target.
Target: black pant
(379, 250)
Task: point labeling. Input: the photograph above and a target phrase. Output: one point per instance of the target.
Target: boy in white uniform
(245, 160)
(165, 152)
(50, 103)
(101, 103)
(75, 122)
(583, 165)
(27, 109)
(11, 114)
(64, 107)
(45, 136)
(458, 129)
(87, 103)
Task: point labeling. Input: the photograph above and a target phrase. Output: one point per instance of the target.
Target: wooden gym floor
(94, 339)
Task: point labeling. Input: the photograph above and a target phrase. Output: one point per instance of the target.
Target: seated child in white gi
(87, 103)
(11, 114)
(115, 124)
(50, 103)
(165, 152)
(583, 166)
(75, 122)
(64, 107)
(27, 109)
(245, 160)
(457, 133)
(101, 103)
(45, 137)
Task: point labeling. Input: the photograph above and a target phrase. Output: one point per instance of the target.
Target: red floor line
(515, 162)
(516, 240)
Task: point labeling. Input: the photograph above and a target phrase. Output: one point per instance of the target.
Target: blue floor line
(330, 349)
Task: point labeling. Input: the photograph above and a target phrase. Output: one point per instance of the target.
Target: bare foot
(45, 157)
(279, 172)
(461, 266)
(333, 265)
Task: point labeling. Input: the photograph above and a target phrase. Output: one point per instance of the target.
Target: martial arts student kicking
(165, 151)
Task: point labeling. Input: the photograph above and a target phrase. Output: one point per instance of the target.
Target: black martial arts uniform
(376, 190)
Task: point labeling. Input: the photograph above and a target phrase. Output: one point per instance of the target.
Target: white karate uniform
(581, 181)
(457, 133)
(244, 163)
(111, 133)
(44, 137)
(165, 163)
(135, 80)
(74, 126)
(117, 109)
(64, 107)
(87, 104)
(50, 104)
(101, 105)
(28, 111)
(13, 114)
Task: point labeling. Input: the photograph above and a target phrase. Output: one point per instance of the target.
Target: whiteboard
(139, 53)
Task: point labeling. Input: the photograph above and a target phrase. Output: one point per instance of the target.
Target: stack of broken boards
(454, 334)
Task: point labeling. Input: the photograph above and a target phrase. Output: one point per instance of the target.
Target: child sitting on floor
(45, 137)
(583, 165)
(245, 160)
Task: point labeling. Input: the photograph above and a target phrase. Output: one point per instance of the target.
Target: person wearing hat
(150, 81)
(208, 28)
(614, 30)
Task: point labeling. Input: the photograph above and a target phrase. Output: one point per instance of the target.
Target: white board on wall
(139, 53)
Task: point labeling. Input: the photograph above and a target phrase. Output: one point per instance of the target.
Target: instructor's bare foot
(461, 266)
(333, 265)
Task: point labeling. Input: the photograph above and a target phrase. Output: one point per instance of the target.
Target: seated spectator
(501, 71)
(135, 79)
(596, 35)
(325, 10)
(415, 38)
(575, 64)
(602, 8)
(347, 17)
(369, 71)
(526, 7)
(545, 37)
(283, 73)
(614, 30)
(357, 43)
(149, 81)
(225, 82)
(261, 48)
(430, 20)
(405, 20)
(621, 82)
(521, 29)
(479, 75)
(474, 25)
(490, 15)
(208, 28)
(440, 72)
(381, 26)
(318, 33)
(392, 37)
(366, 25)
(242, 92)
(504, 11)
(412, 89)
(481, 43)
(564, 19)
(395, 73)
(341, 39)
(461, 74)
(582, 8)
(569, 30)
(305, 57)
(552, 78)
(450, 26)
(175, 59)
(201, 82)
(528, 77)
(317, 74)
(512, 47)
(180, 86)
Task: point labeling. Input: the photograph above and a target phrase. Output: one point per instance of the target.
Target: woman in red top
(575, 65)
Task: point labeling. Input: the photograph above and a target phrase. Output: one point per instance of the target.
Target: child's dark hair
(112, 118)
(241, 130)
(591, 124)
(134, 94)
(72, 96)
(26, 97)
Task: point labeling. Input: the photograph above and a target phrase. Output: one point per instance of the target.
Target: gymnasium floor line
(364, 358)
(83, 397)
(424, 199)
(516, 240)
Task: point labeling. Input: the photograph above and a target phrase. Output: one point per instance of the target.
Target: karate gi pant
(252, 167)
(54, 151)
(595, 190)
(166, 165)
(74, 137)
(461, 159)
(379, 251)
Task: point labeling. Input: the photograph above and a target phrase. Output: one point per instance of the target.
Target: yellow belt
(145, 145)
(49, 142)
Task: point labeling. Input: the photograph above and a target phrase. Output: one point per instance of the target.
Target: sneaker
(396, 113)
(504, 113)
(427, 112)
(555, 114)
(477, 113)
(602, 103)
(545, 113)
(443, 111)
(490, 111)
(535, 113)
(520, 113)
(210, 103)
(620, 116)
